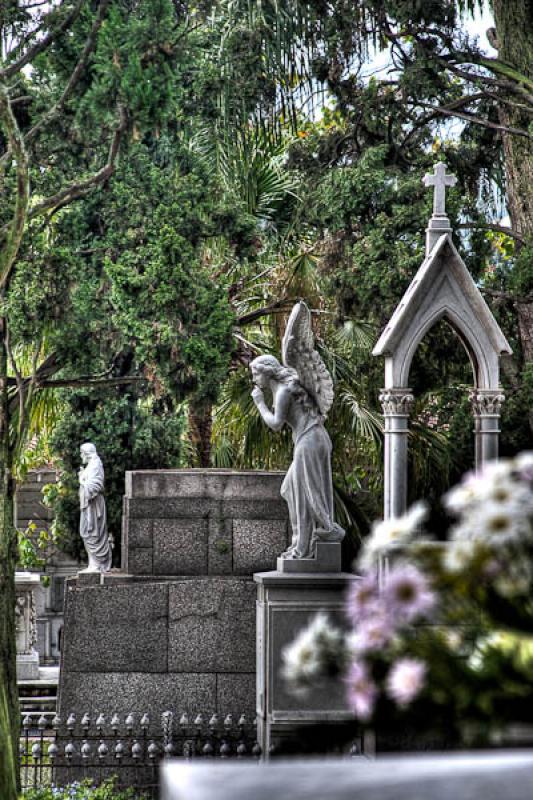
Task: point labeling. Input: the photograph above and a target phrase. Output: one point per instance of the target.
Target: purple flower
(362, 598)
(407, 594)
(406, 680)
(371, 634)
(362, 691)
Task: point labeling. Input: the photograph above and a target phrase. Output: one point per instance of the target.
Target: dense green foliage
(84, 790)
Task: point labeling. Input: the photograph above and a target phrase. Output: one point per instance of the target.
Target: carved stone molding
(486, 402)
(396, 401)
(26, 621)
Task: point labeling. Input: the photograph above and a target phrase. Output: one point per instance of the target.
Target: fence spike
(71, 722)
(56, 722)
(69, 751)
(225, 749)
(115, 723)
(214, 722)
(103, 749)
(100, 723)
(228, 722)
(85, 750)
(145, 722)
(241, 750)
(86, 721)
(53, 751)
(242, 721)
(136, 750)
(119, 750)
(36, 751)
(184, 720)
(208, 750)
(153, 751)
(26, 722)
(130, 722)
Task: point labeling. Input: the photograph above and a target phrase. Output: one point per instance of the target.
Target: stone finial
(439, 223)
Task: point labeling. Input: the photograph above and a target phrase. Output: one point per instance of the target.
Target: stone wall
(202, 522)
(176, 627)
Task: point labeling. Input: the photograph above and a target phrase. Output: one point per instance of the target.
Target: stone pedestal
(26, 625)
(286, 604)
(175, 628)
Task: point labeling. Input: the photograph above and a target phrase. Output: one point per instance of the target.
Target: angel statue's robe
(308, 491)
(93, 519)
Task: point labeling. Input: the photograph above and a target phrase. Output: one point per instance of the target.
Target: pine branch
(43, 43)
(90, 44)
(81, 188)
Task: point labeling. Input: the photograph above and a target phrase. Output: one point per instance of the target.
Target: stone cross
(440, 181)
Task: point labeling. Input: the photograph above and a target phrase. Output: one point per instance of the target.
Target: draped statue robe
(93, 519)
(308, 491)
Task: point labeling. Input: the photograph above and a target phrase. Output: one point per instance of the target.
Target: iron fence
(55, 751)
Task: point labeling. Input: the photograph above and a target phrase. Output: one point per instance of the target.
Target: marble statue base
(286, 603)
(28, 666)
(327, 559)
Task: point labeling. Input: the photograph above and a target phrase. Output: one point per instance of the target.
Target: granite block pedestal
(287, 601)
(175, 629)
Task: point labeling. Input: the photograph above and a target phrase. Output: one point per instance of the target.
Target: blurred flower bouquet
(439, 633)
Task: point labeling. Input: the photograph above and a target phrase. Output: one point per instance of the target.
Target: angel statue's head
(267, 368)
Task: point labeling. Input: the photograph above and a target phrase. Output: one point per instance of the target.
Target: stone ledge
(203, 483)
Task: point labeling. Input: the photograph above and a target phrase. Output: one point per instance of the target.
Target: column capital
(396, 402)
(486, 402)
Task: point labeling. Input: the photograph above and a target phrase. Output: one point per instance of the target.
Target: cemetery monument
(441, 289)
(93, 520)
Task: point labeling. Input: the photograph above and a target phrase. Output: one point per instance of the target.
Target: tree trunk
(514, 32)
(8, 560)
(200, 427)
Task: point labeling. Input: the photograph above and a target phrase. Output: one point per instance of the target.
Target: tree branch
(76, 73)
(442, 110)
(43, 43)
(493, 227)
(273, 308)
(14, 230)
(81, 188)
(84, 381)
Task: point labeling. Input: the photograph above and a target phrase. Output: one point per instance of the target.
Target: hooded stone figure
(93, 519)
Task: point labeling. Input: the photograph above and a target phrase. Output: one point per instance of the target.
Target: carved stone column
(397, 405)
(486, 407)
(26, 625)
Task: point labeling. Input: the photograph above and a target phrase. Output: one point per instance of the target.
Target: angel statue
(302, 393)
(93, 521)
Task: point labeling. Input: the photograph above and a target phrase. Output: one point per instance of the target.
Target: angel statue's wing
(298, 351)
